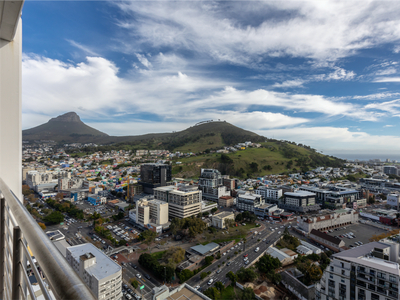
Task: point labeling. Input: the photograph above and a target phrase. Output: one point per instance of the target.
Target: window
(332, 269)
(343, 272)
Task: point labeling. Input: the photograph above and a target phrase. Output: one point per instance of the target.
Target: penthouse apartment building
(249, 202)
(333, 197)
(99, 272)
(151, 211)
(154, 175)
(367, 272)
(271, 195)
(211, 184)
(183, 201)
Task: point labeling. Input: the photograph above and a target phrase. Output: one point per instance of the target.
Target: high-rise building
(99, 272)
(151, 211)
(390, 170)
(301, 201)
(183, 201)
(154, 175)
(211, 184)
(269, 194)
(367, 272)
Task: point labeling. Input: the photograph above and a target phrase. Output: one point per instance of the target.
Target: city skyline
(322, 74)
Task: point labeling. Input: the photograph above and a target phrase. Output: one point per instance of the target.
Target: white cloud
(389, 126)
(143, 60)
(388, 71)
(289, 84)
(85, 49)
(387, 79)
(396, 49)
(321, 30)
(377, 96)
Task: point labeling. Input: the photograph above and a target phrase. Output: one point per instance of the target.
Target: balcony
(18, 232)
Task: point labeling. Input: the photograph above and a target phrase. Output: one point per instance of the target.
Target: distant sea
(366, 156)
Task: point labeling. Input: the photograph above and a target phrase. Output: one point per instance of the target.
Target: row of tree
(149, 262)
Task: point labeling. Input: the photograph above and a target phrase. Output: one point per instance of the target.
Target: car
(134, 266)
(129, 297)
(257, 249)
(224, 253)
(246, 262)
(197, 287)
(138, 275)
(264, 240)
(147, 276)
(246, 258)
(210, 281)
(219, 271)
(228, 263)
(246, 255)
(279, 232)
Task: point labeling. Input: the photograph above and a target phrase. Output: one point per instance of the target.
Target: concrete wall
(10, 112)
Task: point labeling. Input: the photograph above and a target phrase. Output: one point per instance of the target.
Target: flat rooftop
(205, 249)
(299, 194)
(223, 214)
(104, 265)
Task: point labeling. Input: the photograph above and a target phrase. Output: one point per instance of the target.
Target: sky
(320, 73)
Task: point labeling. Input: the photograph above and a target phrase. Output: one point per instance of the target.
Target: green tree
(212, 293)
(184, 275)
(232, 277)
(148, 237)
(134, 283)
(55, 217)
(203, 275)
(209, 260)
(219, 285)
(246, 274)
(248, 294)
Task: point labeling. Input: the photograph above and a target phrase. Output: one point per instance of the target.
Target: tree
(229, 223)
(248, 294)
(55, 217)
(59, 196)
(185, 275)
(26, 190)
(214, 210)
(246, 274)
(134, 283)
(212, 293)
(31, 198)
(232, 277)
(371, 199)
(239, 218)
(220, 286)
(209, 260)
(173, 256)
(204, 275)
(42, 225)
(148, 237)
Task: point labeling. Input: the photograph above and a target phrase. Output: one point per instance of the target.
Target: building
(304, 250)
(367, 272)
(314, 249)
(75, 195)
(183, 201)
(211, 185)
(290, 279)
(44, 180)
(54, 271)
(300, 201)
(151, 211)
(282, 256)
(96, 199)
(390, 170)
(219, 220)
(184, 291)
(271, 195)
(265, 210)
(225, 201)
(332, 197)
(393, 200)
(327, 220)
(100, 273)
(327, 240)
(69, 183)
(154, 175)
(249, 202)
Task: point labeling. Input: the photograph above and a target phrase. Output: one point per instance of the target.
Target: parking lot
(362, 233)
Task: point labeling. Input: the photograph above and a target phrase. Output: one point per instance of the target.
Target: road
(238, 261)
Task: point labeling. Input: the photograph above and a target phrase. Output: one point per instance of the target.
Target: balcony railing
(18, 232)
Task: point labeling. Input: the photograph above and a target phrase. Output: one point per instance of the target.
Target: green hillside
(274, 157)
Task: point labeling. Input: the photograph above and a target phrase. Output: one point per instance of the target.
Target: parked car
(210, 281)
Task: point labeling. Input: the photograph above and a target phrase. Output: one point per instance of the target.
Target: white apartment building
(269, 193)
(211, 185)
(183, 201)
(99, 272)
(367, 272)
(70, 183)
(151, 211)
(249, 202)
(35, 178)
(393, 200)
(327, 220)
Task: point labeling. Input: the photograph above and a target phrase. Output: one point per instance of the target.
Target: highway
(238, 261)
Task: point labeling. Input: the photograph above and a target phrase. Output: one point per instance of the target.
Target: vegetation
(55, 217)
(378, 237)
(187, 226)
(70, 209)
(42, 225)
(246, 216)
(148, 237)
(267, 265)
(309, 267)
(134, 283)
(151, 263)
(288, 241)
(173, 256)
(246, 275)
(107, 235)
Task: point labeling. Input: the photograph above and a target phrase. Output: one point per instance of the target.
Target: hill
(274, 157)
(67, 128)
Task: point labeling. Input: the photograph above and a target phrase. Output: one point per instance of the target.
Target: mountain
(65, 128)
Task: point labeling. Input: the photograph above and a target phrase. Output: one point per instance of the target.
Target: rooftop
(326, 237)
(103, 267)
(205, 249)
(299, 194)
(223, 214)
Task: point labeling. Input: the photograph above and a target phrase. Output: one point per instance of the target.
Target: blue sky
(321, 73)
